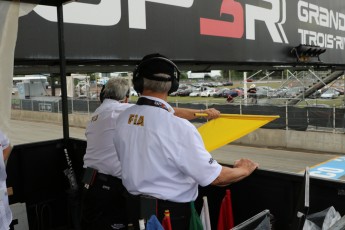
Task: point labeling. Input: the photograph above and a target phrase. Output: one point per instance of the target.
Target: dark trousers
(103, 204)
(142, 207)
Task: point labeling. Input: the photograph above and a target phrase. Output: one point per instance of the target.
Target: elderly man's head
(156, 73)
(116, 89)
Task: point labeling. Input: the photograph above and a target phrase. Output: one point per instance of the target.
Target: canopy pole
(63, 73)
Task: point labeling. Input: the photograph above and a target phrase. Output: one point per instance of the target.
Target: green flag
(195, 222)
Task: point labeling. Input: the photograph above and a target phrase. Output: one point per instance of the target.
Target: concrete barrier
(318, 141)
(74, 120)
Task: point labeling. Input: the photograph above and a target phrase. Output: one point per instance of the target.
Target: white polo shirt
(5, 211)
(100, 152)
(162, 155)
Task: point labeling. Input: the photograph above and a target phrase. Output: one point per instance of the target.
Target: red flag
(226, 219)
(166, 221)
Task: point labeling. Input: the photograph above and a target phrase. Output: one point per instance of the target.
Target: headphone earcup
(101, 94)
(174, 86)
(138, 84)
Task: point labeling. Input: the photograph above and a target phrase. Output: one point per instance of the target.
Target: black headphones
(101, 94)
(138, 79)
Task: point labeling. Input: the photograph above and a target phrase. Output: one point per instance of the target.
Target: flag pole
(238, 115)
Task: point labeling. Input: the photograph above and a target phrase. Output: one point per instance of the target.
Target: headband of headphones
(150, 68)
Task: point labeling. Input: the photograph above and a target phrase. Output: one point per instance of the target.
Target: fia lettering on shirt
(135, 119)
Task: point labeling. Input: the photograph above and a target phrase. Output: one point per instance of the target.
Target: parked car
(207, 93)
(316, 94)
(330, 94)
(195, 93)
(184, 92)
(219, 93)
(293, 92)
(239, 91)
(174, 94)
(230, 92)
(277, 93)
(228, 83)
(262, 91)
(340, 90)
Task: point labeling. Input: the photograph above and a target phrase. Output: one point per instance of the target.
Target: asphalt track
(283, 160)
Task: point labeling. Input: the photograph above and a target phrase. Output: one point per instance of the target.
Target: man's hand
(246, 164)
(242, 168)
(211, 113)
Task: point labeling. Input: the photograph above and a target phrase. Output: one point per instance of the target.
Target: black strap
(146, 101)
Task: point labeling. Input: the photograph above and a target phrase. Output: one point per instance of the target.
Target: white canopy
(9, 14)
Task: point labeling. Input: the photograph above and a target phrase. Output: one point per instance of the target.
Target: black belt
(92, 177)
(107, 178)
(172, 203)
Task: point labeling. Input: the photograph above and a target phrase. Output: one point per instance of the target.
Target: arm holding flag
(242, 168)
(190, 114)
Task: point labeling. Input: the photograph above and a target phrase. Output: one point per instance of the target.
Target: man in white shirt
(103, 201)
(103, 192)
(5, 211)
(163, 156)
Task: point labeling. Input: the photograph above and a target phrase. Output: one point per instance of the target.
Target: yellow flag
(229, 127)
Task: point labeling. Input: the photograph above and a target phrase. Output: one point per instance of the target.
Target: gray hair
(116, 88)
(158, 86)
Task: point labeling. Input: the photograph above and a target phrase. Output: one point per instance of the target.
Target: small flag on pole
(166, 220)
(226, 219)
(205, 215)
(153, 224)
(195, 222)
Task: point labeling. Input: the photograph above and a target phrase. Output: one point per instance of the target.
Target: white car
(195, 94)
(330, 93)
(207, 93)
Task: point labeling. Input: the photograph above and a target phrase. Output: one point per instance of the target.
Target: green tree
(183, 75)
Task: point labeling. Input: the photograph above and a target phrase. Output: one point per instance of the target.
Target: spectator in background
(230, 99)
(252, 94)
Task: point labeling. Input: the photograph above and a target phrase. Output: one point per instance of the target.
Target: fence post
(286, 116)
(71, 105)
(307, 117)
(32, 104)
(88, 106)
(333, 118)
(58, 109)
(241, 107)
